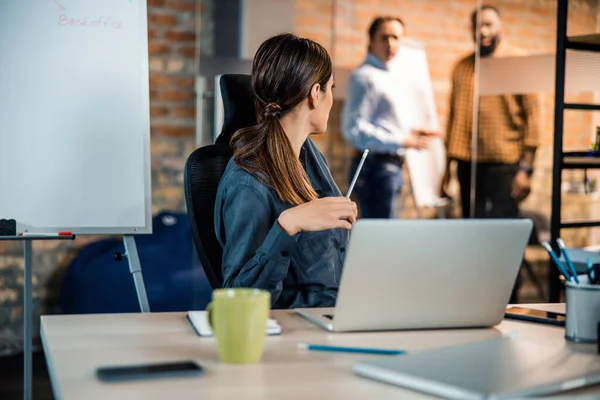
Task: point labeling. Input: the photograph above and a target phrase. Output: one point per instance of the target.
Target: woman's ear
(315, 93)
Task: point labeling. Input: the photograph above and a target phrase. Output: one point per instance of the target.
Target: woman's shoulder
(237, 180)
(313, 151)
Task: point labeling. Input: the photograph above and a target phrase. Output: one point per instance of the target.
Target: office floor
(11, 378)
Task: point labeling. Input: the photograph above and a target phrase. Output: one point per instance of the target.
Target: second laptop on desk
(426, 274)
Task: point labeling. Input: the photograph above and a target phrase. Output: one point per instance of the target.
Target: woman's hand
(319, 215)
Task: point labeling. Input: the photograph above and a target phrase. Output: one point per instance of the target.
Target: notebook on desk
(505, 368)
(199, 321)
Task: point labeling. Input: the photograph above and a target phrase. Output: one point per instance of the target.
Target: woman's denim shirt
(303, 270)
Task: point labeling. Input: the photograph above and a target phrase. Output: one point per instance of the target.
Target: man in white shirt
(376, 116)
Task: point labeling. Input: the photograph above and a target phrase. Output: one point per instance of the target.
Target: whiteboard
(74, 116)
(425, 167)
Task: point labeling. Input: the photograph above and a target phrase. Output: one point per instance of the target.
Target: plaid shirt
(507, 123)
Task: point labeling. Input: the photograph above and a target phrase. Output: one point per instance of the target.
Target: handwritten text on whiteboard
(106, 22)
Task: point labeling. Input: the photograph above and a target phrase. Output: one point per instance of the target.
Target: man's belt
(383, 157)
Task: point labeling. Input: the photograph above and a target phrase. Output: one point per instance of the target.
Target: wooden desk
(76, 345)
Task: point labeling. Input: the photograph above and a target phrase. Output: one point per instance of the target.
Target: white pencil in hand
(355, 177)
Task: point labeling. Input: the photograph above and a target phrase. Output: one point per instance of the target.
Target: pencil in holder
(583, 312)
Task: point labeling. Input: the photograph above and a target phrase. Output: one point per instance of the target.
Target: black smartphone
(149, 371)
(529, 314)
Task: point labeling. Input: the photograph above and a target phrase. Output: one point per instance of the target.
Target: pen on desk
(563, 250)
(556, 261)
(355, 177)
(364, 350)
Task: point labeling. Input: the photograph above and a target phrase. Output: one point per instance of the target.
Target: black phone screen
(148, 371)
(529, 314)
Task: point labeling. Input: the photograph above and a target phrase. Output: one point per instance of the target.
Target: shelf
(580, 160)
(581, 106)
(580, 224)
(584, 42)
(572, 70)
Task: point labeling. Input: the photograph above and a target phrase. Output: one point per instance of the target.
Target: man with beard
(507, 137)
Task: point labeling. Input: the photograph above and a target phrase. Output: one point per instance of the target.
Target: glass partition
(524, 69)
(484, 100)
(436, 35)
(230, 34)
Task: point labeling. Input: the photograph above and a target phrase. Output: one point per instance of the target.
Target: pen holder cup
(583, 312)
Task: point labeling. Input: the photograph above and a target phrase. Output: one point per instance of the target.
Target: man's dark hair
(483, 8)
(377, 22)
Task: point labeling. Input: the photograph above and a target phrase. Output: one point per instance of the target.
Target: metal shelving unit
(566, 160)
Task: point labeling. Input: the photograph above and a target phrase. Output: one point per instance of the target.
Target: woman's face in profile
(321, 114)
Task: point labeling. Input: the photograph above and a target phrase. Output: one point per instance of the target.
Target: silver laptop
(505, 368)
(421, 274)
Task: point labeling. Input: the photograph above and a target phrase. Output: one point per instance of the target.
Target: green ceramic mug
(238, 319)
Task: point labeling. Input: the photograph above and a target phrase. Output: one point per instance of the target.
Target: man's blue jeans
(378, 185)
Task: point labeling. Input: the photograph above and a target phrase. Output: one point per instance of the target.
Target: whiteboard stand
(134, 266)
(27, 317)
(28, 305)
(136, 271)
(88, 109)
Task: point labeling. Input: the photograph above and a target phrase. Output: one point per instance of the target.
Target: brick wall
(172, 26)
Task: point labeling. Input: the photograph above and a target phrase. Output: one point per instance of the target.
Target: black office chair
(204, 169)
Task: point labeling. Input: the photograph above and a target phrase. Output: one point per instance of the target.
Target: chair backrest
(204, 169)
(239, 110)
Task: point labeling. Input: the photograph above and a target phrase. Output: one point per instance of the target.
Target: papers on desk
(199, 321)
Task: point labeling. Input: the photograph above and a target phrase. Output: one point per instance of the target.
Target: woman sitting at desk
(279, 216)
